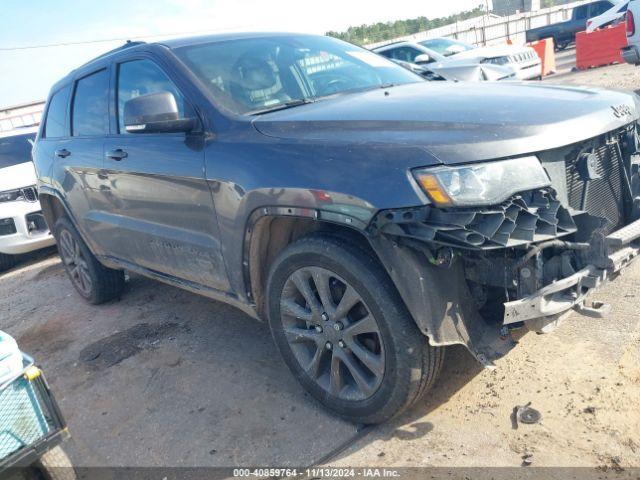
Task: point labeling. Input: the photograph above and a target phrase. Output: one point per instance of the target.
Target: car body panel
(631, 53)
(455, 123)
(28, 237)
(156, 209)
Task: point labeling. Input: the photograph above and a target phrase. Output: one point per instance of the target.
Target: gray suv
(371, 217)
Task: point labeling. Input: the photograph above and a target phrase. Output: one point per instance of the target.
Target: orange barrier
(600, 48)
(547, 53)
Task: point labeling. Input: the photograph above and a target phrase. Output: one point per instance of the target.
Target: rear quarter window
(55, 123)
(90, 112)
(15, 150)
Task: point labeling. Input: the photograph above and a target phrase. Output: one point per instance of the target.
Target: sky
(27, 74)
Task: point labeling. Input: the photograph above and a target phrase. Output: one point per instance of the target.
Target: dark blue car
(373, 218)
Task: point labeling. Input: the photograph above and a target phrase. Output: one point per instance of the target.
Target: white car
(523, 60)
(631, 53)
(423, 58)
(22, 225)
(613, 16)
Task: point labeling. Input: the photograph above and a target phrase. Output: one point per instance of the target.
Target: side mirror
(155, 113)
(422, 59)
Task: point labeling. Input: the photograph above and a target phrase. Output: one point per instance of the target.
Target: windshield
(255, 75)
(15, 150)
(446, 46)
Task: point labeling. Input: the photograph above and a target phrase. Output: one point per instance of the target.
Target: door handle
(117, 154)
(63, 153)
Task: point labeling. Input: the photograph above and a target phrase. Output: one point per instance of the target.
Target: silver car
(522, 59)
(421, 57)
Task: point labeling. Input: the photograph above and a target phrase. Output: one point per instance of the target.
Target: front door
(156, 197)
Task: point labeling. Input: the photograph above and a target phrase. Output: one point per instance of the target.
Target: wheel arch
(270, 230)
(53, 207)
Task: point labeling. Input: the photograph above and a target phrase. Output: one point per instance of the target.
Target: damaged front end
(469, 273)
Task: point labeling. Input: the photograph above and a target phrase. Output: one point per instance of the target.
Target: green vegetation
(379, 32)
(552, 3)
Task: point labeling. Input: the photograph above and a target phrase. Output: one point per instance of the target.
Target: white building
(511, 7)
(19, 116)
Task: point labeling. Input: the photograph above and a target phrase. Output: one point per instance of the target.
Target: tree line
(381, 31)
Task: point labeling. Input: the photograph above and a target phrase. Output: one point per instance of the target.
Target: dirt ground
(164, 377)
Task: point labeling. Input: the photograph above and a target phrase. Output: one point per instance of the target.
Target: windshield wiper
(282, 106)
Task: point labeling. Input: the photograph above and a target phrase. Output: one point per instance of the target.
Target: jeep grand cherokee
(371, 217)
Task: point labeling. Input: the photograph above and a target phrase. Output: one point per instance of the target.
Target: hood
(457, 122)
(492, 51)
(465, 71)
(17, 176)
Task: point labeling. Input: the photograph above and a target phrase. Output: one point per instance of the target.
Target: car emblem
(622, 111)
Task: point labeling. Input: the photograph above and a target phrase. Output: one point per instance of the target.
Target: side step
(625, 235)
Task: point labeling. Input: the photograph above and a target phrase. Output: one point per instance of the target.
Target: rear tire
(367, 377)
(92, 280)
(7, 261)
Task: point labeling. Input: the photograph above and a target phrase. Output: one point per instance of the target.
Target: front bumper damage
(435, 288)
(557, 299)
(471, 275)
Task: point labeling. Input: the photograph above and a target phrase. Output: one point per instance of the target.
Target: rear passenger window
(143, 77)
(582, 12)
(54, 125)
(599, 8)
(90, 105)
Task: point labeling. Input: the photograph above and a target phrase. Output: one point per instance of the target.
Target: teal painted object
(22, 419)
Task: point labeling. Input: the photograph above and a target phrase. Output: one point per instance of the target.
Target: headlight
(11, 195)
(497, 60)
(486, 183)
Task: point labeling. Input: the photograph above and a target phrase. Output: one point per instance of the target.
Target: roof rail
(391, 42)
(128, 44)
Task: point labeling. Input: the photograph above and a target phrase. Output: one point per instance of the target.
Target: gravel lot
(164, 377)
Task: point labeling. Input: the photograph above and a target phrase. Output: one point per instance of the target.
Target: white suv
(631, 54)
(22, 225)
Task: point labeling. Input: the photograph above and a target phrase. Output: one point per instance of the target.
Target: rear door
(579, 21)
(158, 204)
(80, 155)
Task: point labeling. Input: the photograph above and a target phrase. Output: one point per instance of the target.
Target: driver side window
(143, 77)
(582, 12)
(406, 54)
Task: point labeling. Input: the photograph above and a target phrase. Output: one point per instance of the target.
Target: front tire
(344, 332)
(92, 280)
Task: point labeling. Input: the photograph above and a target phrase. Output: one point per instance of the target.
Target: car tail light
(631, 24)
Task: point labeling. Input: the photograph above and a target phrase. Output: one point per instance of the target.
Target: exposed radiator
(598, 189)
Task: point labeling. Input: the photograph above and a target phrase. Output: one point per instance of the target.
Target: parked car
(372, 218)
(422, 71)
(613, 16)
(469, 70)
(631, 53)
(523, 60)
(22, 226)
(447, 46)
(32, 427)
(564, 33)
